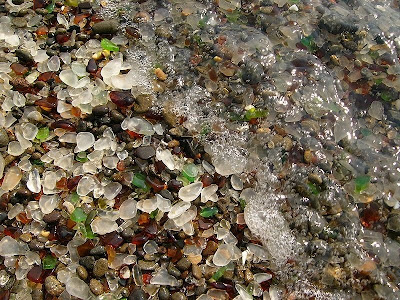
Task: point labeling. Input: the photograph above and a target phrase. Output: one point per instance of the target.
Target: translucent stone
(15, 210)
(102, 144)
(85, 185)
(150, 247)
(166, 157)
(112, 68)
(376, 110)
(223, 255)
(111, 190)
(65, 57)
(48, 203)
(261, 277)
(14, 148)
(163, 278)
(163, 204)
(102, 226)
(77, 288)
(10, 247)
(186, 217)
(209, 193)
(236, 182)
(138, 125)
(178, 209)
(11, 179)
(127, 210)
(41, 56)
(69, 77)
(243, 292)
(147, 205)
(33, 183)
(2, 165)
(79, 69)
(49, 180)
(65, 162)
(228, 165)
(19, 100)
(53, 63)
(29, 131)
(190, 192)
(123, 82)
(110, 162)
(84, 140)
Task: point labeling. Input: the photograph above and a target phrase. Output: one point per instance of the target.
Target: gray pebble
(137, 295)
(178, 296)
(98, 250)
(105, 27)
(87, 262)
(3, 137)
(173, 270)
(163, 293)
(147, 265)
(145, 152)
(19, 22)
(82, 273)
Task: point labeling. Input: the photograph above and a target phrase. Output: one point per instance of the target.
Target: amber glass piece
(122, 98)
(64, 124)
(19, 69)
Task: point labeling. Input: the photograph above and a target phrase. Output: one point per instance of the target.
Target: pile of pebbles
(199, 149)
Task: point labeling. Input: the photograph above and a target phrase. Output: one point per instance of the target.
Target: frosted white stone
(111, 190)
(166, 157)
(53, 63)
(10, 247)
(186, 217)
(29, 131)
(48, 203)
(209, 193)
(69, 77)
(223, 255)
(11, 179)
(79, 69)
(138, 125)
(163, 204)
(236, 182)
(77, 288)
(150, 247)
(190, 192)
(85, 185)
(102, 225)
(178, 209)
(147, 205)
(33, 183)
(162, 277)
(14, 148)
(376, 110)
(112, 68)
(84, 140)
(128, 210)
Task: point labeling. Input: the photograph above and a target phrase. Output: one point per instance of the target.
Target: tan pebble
(248, 276)
(106, 53)
(97, 55)
(82, 273)
(173, 143)
(195, 259)
(96, 287)
(196, 270)
(391, 134)
(160, 74)
(308, 156)
(287, 143)
(45, 233)
(315, 178)
(26, 237)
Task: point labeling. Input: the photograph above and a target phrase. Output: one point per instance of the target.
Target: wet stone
(137, 294)
(147, 265)
(19, 22)
(178, 296)
(145, 152)
(98, 251)
(173, 270)
(163, 293)
(52, 217)
(100, 110)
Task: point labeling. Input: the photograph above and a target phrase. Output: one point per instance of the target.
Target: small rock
(100, 267)
(163, 293)
(183, 264)
(100, 110)
(147, 265)
(98, 250)
(105, 27)
(173, 270)
(19, 22)
(196, 271)
(394, 223)
(137, 294)
(52, 217)
(53, 286)
(178, 296)
(87, 262)
(24, 56)
(3, 138)
(82, 273)
(96, 287)
(143, 103)
(145, 152)
(210, 248)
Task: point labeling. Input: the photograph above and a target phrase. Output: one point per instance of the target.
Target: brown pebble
(96, 287)
(173, 143)
(210, 248)
(308, 156)
(82, 272)
(53, 286)
(100, 267)
(196, 270)
(160, 74)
